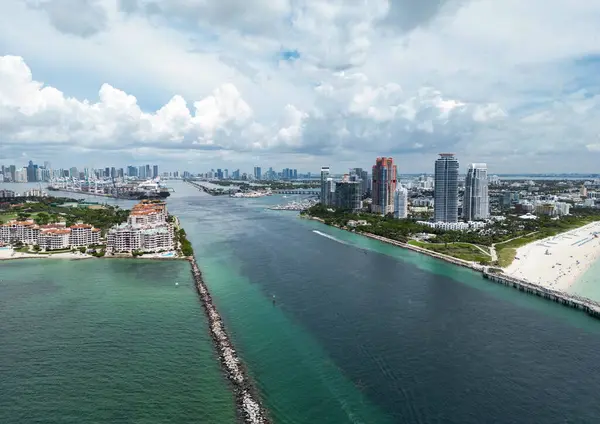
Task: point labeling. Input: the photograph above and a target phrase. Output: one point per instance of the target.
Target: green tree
(42, 218)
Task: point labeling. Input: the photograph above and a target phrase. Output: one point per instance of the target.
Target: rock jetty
(247, 400)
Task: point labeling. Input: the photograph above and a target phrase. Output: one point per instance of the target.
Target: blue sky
(200, 84)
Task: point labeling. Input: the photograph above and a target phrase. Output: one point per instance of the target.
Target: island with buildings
(63, 228)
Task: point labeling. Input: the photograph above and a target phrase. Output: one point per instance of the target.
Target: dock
(249, 406)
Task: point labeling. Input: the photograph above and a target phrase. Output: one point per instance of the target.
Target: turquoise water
(589, 283)
(106, 341)
(365, 332)
(334, 330)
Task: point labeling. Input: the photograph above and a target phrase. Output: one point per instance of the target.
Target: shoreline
(6, 255)
(519, 283)
(249, 407)
(559, 261)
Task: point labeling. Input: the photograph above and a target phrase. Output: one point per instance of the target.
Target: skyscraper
(348, 195)
(446, 188)
(155, 171)
(384, 186)
(401, 202)
(257, 173)
(324, 176)
(476, 199)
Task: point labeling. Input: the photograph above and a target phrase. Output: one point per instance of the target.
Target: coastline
(558, 262)
(519, 282)
(11, 255)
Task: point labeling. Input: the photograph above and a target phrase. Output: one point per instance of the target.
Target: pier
(248, 403)
(570, 300)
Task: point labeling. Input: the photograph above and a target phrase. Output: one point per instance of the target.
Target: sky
(200, 84)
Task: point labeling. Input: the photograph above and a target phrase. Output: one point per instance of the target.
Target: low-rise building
(49, 236)
(454, 226)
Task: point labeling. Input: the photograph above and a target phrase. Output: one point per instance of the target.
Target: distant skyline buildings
(384, 179)
(446, 188)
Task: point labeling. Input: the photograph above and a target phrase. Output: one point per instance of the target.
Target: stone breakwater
(247, 399)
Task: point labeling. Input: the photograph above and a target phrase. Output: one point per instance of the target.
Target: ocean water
(365, 332)
(106, 341)
(589, 283)
(334, 329)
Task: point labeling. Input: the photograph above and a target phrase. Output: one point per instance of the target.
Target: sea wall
(248, 403)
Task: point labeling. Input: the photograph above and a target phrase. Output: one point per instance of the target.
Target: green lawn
(464, 251)
(506, 256)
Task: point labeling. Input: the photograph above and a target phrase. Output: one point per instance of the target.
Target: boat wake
(329, 237)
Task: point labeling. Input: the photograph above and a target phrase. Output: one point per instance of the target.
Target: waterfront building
(83, 235)
(257, 173)
(384, 186)
(147, 230)
(7, 194)
(21, 175)
(330, 192)
(324, 177)
(155, 171)
(401, 203)
(476, 199)
(446, 188)
(348, 195)
(54, 238)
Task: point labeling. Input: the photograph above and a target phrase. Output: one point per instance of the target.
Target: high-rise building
(142, 172)
(348, 195)
(148, 172)
(294, 174)
(363, 176)
(257, 173)
(73, 173)
(31, 172)
(446, 188)
(21, 175)
(113, 172)
(384, 186)
(226, 174)
(155, 171)
(324, 177)
(330, 194)
(476, 205)
(401, 202)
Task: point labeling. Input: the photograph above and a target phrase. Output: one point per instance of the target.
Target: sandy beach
(558, 262)
(10, 254)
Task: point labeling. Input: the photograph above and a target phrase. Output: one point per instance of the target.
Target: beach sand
(558, 262)
(10, 254)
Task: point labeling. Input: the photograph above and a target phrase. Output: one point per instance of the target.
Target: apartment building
(54, 238)
(51, 236)
(147, 230)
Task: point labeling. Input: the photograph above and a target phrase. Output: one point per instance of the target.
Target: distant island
(66, 228)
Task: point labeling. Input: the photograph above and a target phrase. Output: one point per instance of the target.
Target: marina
(295, 205)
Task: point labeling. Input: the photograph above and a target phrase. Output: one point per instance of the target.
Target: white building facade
(476, 203)
(401, 203)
